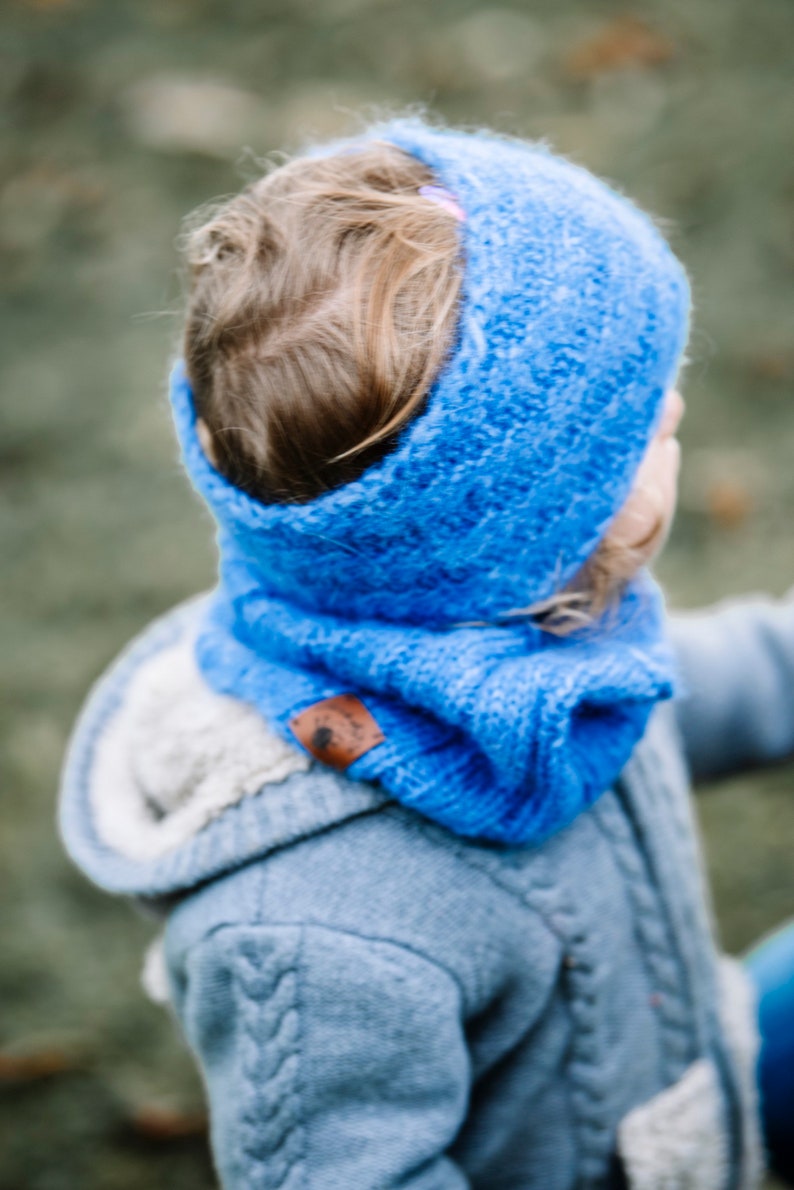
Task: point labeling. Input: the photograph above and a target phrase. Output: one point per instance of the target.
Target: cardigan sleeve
(330, 1061)
(736, 709)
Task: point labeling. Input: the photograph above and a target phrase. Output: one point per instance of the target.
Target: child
(409, 786)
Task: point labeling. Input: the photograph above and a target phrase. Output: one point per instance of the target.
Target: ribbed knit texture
(573, 319)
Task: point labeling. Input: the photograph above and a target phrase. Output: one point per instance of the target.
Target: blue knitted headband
(574, 315)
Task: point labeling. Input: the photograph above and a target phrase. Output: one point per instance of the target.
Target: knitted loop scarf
(573, 319)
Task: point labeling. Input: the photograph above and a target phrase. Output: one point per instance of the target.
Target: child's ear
(207, 444)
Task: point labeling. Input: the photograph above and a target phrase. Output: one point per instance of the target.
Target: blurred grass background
(118, 119)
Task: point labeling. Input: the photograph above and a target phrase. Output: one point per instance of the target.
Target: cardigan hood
(167, 784)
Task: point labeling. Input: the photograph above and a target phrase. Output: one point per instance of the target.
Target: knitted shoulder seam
(587, 1083)
(529, 896)
(305, 927)
(467, 852)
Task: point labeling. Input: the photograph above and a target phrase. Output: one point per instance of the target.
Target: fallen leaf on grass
(726, 486)
(772, 365)
(17, 1069)
(729, 503)
(626, 41)
(164, 1124)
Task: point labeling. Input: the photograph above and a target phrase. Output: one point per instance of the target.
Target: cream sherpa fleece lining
(678, 1139)
(176, 755)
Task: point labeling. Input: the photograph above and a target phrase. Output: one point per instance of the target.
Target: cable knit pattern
(472, 1015)
(290, 1121)
(655, 942)
(536, 887)
(663, 819)
(270, 1115)
(251, 1017)
(574, 316)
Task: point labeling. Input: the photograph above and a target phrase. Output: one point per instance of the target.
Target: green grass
(97, 528)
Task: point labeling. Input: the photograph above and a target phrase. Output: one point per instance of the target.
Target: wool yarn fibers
(574, 316)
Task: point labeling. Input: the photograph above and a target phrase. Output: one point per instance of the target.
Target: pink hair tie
(444, 198)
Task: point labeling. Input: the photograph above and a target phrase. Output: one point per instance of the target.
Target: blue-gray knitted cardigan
(376, 1000)
(377, 1003)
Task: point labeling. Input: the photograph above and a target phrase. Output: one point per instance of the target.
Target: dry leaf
(164, 1124)
(16, 1069)
(626, 41)
(729, 503)
(772, 365)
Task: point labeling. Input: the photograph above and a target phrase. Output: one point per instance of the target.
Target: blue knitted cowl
(573, 319)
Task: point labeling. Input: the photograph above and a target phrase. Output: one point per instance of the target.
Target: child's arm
(737, 664)
(330, 1060)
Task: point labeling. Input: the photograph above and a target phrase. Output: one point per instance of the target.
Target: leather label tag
(337, 730)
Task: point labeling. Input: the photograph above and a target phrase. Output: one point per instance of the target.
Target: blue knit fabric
(428, 1011)
(574, 316)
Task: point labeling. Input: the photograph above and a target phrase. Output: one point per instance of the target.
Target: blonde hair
(322, 303)
(592, 593)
